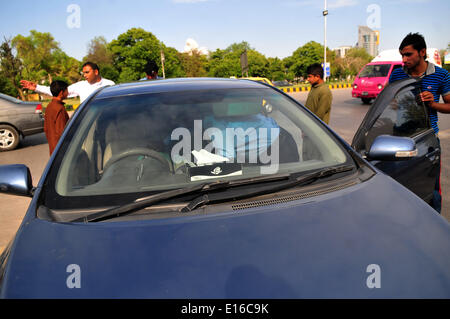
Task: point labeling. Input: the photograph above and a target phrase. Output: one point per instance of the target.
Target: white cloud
(192, 45)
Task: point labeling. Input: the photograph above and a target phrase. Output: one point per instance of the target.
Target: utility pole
(325, 13)
(163, 60)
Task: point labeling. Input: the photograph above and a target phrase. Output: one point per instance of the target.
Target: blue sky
(274, 28)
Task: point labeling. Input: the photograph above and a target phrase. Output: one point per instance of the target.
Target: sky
(275, 28)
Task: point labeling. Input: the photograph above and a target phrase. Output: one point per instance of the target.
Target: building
(341, 51)
(368, 39)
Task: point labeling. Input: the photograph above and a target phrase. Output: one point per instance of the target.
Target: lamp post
(325, 13)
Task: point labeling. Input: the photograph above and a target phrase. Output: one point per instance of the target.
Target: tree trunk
(19, 89)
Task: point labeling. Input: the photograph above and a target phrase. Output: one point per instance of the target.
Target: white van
(433, 56)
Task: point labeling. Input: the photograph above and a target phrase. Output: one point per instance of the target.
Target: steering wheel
(140, 151)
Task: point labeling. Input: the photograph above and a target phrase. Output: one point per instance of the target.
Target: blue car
(225, 188)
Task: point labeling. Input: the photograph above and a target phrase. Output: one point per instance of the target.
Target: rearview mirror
(392, 148)
(16, 180)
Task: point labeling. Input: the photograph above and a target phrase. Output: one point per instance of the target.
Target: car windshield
(161, 141)
(375, 70)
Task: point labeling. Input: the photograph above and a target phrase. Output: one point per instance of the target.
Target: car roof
(174, 85)
(9, 98)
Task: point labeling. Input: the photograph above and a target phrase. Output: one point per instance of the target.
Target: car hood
(371, 240)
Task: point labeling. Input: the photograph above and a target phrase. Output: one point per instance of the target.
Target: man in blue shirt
(435, 82)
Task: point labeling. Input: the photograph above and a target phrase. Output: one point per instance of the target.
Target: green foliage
(277, 69)
(10, 70)
(193, 64)
(311, 52)
(37, 54)
(131, 51)
(351, 64)
(99, 53)
(40, 59)
(227, 63)
(6, 86)
(172, 65)
(224, 64)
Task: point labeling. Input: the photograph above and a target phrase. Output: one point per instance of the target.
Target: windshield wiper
(213, 196)
(239, 194)
(160, 197)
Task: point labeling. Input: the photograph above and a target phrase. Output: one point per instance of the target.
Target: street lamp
(325, 13)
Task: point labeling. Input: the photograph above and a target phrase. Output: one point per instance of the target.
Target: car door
(397, 112)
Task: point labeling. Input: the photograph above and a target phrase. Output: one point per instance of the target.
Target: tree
(227, 63)
(65, 67)
(277, 70)
(194, 63)
(99, 53)
(173, 66)
(224, 64)
(36, 52)
(131, 51)
(352, 63)
(10, 70)
(311, 52)
(304, 56)
(239, 48)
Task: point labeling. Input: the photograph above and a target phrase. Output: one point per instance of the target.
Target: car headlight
(355, 86)
(380, 86)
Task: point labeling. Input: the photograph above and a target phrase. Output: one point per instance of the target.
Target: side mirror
(16, 180)
(392, 148)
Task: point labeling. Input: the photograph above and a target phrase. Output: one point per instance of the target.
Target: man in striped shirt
(435, 82)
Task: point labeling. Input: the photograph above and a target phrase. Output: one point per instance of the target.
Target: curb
(308, 88)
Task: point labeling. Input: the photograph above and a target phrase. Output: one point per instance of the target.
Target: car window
(375, 70)
(161, 141)
(404, 116)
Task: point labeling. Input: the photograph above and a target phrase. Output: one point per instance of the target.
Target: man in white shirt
(82, 89)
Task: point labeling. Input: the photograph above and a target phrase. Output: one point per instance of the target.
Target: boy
(56, 115)
(320, 97)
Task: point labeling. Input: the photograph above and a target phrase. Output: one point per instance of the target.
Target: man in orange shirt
(56, 115)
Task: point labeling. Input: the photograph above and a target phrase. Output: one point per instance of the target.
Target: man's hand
(427, 97)
(28, 85)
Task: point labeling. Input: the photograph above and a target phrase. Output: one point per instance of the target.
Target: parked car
(18, 119)
(221, 188)
(281, 83)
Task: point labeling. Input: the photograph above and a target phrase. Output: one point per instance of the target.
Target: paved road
(346, 116)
